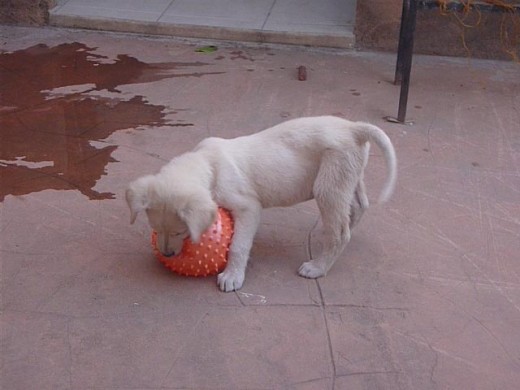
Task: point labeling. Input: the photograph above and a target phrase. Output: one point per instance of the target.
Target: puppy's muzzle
(168, 253)
(164, 246)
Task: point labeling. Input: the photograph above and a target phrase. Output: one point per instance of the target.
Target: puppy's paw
(230, 280)
(312, 269)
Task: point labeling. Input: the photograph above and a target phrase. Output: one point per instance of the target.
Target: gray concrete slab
(333, 16)
(114, 9)
(426, 295)
(329, 23)
(219, 13)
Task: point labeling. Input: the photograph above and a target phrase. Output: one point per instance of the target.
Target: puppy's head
(174, 215)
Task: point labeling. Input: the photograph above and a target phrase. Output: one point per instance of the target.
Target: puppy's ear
(138, 196)
(199, 213)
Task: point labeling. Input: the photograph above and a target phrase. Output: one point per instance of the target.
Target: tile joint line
(329, 339)
(268, 15)
(166, 9)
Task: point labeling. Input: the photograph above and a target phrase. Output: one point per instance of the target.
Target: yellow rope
(443, 5)
(509, 26)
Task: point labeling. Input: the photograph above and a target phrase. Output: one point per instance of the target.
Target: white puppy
(319, 157)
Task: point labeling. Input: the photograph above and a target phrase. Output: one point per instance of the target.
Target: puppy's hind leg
(359, 204)
(360, 200)
(334, 192)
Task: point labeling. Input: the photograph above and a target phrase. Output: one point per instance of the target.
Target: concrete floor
(325, 23)
(426, 296)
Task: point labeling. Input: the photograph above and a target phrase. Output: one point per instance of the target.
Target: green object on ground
(206, 49)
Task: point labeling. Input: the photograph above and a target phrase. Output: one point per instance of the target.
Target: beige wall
(25, 12)
(377, 28)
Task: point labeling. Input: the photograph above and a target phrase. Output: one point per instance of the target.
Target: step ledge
(343, 41)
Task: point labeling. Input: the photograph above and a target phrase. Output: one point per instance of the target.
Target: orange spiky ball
(209, 256)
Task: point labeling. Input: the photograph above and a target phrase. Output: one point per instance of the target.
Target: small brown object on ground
(302, 73)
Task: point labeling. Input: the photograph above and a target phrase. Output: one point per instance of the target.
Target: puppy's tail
(366, 132)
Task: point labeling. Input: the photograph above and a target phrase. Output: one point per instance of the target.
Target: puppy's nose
(169, 254)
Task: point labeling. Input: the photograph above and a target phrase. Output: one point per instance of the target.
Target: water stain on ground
(50, 114)
(239, 54)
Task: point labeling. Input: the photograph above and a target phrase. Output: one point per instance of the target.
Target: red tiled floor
(426, 296)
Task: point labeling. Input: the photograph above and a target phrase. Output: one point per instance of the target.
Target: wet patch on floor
(56, 101)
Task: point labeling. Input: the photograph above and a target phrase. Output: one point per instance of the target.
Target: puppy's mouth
(168, 254)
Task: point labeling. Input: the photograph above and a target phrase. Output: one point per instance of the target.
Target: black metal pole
(399, 64)
(408, 29)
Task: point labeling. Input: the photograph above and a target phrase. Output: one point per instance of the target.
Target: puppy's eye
(179, 233)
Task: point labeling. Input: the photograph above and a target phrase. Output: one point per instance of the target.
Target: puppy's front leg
(246, 224)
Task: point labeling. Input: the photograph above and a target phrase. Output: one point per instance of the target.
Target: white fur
(319, 157)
